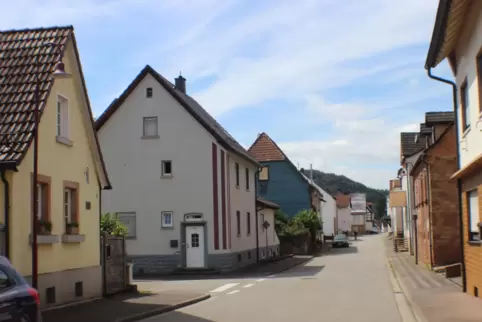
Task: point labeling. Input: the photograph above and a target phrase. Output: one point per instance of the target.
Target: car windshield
(340, 237)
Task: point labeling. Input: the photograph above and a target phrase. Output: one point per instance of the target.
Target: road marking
(261, 280)
(233, 292)
(224, 287)
(248, 285)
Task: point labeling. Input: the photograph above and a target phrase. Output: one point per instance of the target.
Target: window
(465, 106)
(62, 117)
(149, 92)
(71, 202)
(5, 282)
(479, 80)
(263, 188)
(130, 221)
(473, 215)
(167, 220)
(42, 201)
(262, 222)
(150, 127)
(238, 222)
(264, 174)
(166, 168)
(248, 223)
(195, 240)
(247, 179)
(236, 166)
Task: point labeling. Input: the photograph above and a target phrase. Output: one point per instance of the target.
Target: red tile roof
(19, 51)
(264, 149)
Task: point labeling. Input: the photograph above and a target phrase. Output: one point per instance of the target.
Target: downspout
(6, 192)
(459, 183)
(429, 205)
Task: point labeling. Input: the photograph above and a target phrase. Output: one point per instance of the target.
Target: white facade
(328, 213)
(170, 211)
(268, 239)
(468, 49)
(345, 219)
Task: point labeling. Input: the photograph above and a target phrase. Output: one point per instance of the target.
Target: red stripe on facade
(223, 197)
(215, 196)
(229, 202)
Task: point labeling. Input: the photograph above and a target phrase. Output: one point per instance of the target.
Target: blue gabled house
(280, 181)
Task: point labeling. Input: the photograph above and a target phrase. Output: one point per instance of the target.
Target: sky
(332, 82)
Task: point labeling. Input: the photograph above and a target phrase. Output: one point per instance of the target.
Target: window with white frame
(167, 220)
(130, 222)
(62, 117)
(42, 201)
(166, 168)
(69, 200)
(473, 215)
(150, 127)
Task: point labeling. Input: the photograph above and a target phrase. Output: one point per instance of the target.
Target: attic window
(149, 92)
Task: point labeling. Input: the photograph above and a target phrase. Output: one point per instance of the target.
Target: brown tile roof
(343, 201)
(19, 50)
(264, 149)
(408, 144)
(191, 106)
(439, 117)
(267, 203)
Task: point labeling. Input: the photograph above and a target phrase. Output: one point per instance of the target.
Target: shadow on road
(341, 251)
(177, 316)
(305, 271)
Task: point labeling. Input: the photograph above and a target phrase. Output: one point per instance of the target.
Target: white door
(194, 246)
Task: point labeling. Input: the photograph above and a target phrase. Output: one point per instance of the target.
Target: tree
(310, 220)
(111, 224)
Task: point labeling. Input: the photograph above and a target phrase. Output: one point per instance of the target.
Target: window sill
(150, 137)
(166, 176)
(64, 141)
(475, 243)
(237, 186)
(167, 227)
(45, 239)
(72, 238)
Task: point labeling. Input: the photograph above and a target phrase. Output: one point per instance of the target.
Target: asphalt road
(350, 284)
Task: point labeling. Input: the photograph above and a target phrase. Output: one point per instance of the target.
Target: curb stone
(292, 266)
(151, 313)
(417, 311)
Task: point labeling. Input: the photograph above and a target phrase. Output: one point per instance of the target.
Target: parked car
(340, 240)
(373, 230)
(19, 302)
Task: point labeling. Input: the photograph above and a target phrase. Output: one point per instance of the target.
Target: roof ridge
(36, 29)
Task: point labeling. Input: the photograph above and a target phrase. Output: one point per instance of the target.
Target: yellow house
(71, 173)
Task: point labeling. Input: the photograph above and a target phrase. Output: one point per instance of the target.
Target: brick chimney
(180, 84)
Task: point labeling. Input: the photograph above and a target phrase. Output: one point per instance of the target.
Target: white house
(344, 217)
(358, 211)
(268, 239)
(183, 186)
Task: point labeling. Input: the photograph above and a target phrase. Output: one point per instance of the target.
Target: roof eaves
(438, 34)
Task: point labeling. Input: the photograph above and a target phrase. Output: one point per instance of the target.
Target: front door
(194, 246)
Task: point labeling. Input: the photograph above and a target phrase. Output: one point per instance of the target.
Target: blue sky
(332, 82)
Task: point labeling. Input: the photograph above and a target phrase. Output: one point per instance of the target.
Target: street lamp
(59, 71)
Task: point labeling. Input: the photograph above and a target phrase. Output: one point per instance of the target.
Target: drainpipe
(429, 205)
(459, 183)
(256, 176)
(6, 192)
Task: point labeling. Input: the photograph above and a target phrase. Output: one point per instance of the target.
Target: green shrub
(111, 224)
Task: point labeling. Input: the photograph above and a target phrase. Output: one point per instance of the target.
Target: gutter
(438, 35)
(459, 183)
(6, 192)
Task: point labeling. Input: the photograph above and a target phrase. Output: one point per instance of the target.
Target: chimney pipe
(180, 84)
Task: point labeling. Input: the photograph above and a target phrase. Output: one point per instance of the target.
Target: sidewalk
(124, 307)
(433, 298)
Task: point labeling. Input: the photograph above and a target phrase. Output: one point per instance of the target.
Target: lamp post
(59, 71)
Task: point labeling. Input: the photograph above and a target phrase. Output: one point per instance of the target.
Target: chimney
(180, 84)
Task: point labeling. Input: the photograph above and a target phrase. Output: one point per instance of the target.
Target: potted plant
(72, 228)
(44, 227)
